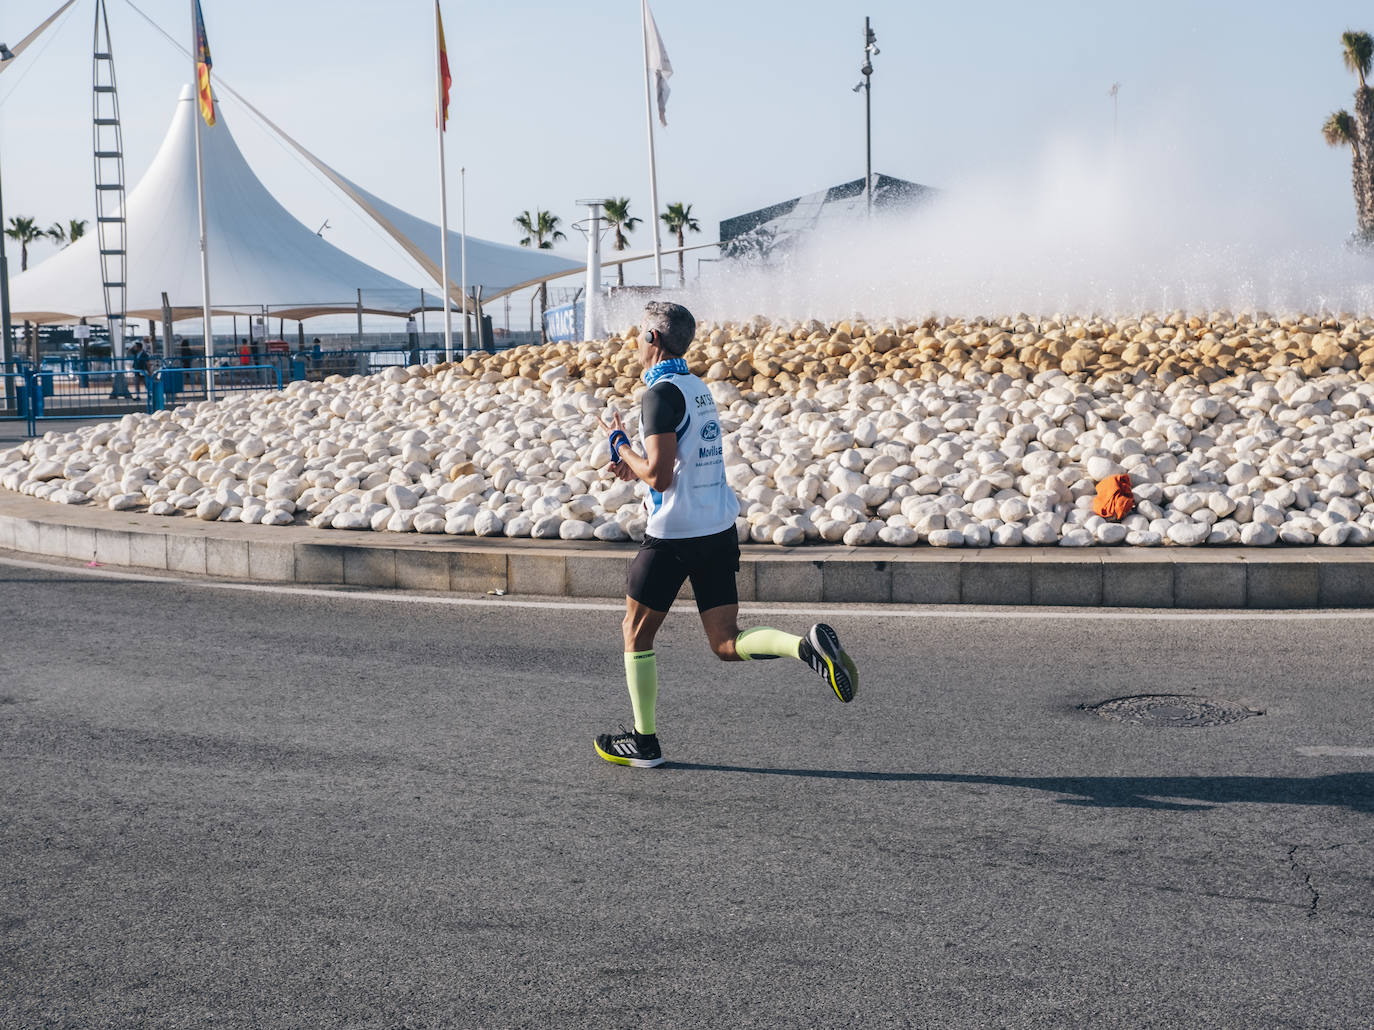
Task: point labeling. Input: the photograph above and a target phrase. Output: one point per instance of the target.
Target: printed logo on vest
(711, 430)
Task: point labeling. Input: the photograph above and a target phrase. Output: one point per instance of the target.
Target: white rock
(611, 532)
(460, 524)
(1291, 534)
(1077, 537)
(1040, 534)
(1008, 534)
(1100, 468)
(520, 524)
(977, 535)
(1110, 533)
(125, 502)
(402, 498)
(898, 536)
(946, 538)
(350, 520)
(861, 534)
(547, 527)
(1188, 534)
(209, 509)
(1258, 534)
(575, 529)
(429, 522)
(487, 523)
(1225, 532)
(45, 470)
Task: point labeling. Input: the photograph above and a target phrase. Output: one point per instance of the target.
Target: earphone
(651, 336)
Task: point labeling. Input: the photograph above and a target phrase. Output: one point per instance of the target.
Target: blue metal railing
(20, 398)
(69, 386)
(171, 386)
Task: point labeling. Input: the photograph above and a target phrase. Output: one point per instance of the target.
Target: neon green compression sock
(764, 642)
(641, 674)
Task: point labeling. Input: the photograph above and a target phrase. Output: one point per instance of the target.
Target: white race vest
(698, 502)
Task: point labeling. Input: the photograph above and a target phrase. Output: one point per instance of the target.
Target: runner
(690, 535)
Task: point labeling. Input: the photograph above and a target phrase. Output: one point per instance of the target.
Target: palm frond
(1357, 53)
(1339, 129)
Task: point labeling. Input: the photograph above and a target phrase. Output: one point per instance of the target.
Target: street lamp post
(870, 51)
(8, 354)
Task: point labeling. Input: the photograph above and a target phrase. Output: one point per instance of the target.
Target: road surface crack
(1305, 875)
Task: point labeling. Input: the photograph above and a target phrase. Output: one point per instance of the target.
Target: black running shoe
(640, 750)
(821, 650)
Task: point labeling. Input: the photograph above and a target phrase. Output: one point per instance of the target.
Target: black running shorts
(661, 567)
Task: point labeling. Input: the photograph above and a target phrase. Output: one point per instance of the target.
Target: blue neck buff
(671, 367)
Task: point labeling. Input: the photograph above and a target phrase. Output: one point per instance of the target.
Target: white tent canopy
(259, 254)
(499, 268)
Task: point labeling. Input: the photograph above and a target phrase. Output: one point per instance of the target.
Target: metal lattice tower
(108, 139)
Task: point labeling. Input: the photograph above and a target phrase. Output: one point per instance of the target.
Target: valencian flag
(203, 65)
(445, 76)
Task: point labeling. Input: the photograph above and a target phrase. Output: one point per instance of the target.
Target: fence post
(35, 392)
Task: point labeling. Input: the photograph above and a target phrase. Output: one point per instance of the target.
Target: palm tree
(1339, 131)
(678, 218)
(24, 231)
(617, 213)
(1357, 51)
(76, 228)
(57, 231)
(540, 231)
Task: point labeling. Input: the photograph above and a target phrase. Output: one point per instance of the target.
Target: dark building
(761, 233)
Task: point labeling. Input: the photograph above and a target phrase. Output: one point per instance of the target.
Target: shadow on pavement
(1350, 790)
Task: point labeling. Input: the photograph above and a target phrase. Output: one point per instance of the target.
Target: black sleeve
(662, 409)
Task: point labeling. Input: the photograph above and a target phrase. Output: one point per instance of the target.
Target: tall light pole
(870, 51)
(1116, 88)
(8, 355)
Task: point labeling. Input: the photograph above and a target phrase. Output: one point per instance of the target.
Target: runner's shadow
(1354, 791)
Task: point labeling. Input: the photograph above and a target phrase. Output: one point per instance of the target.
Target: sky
(1224, 98)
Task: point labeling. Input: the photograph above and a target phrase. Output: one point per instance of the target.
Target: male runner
(691, 534)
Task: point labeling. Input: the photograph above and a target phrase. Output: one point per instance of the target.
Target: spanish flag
(445, 76)
(203, 65)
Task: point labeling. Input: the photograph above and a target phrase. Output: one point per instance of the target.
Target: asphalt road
(304, 808)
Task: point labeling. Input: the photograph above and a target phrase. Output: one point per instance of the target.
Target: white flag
(658, 62)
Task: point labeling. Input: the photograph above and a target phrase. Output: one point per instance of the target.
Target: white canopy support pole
(204, 244)
(463, 258)
(166, 328)
(205, 247)
(591, 304)
(477, 309)
(443, 189)
(653, 168)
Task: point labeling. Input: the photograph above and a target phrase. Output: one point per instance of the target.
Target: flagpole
(653, 168)
(200, 203)
(463, 258)
(443, 186)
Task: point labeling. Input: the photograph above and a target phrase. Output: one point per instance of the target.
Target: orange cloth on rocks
(1114, 497)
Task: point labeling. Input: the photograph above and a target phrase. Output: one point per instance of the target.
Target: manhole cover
(1171, 710)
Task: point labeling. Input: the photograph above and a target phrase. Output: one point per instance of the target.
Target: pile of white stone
(972, 460)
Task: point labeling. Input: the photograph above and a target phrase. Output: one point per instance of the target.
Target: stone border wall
(1096, 577)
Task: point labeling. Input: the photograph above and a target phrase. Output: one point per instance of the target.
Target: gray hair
(674, 325)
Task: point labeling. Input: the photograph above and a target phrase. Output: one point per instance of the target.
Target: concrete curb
(1231, 577)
